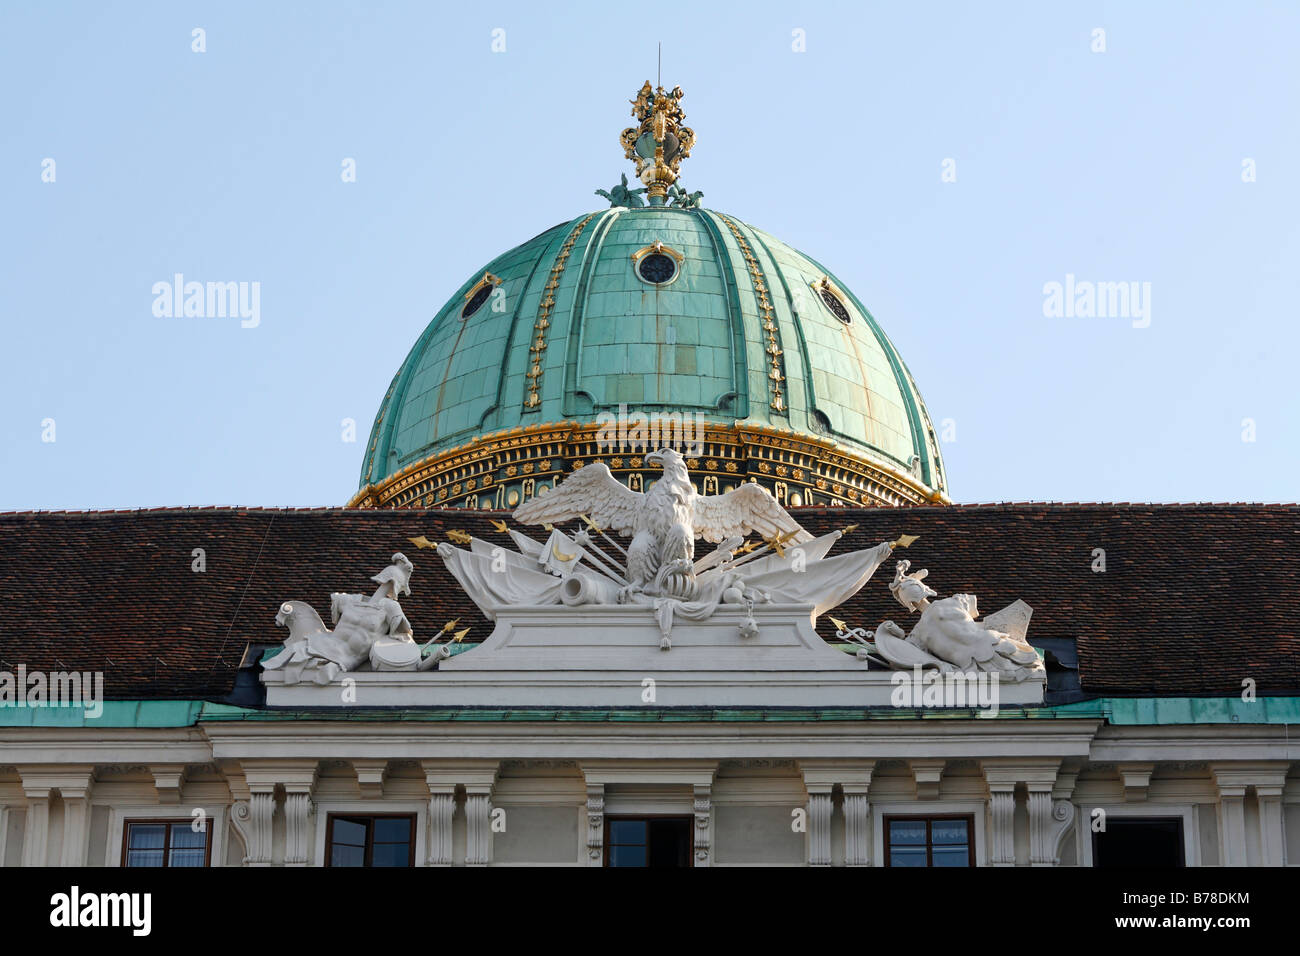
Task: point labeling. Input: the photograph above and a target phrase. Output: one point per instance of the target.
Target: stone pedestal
(604, 656)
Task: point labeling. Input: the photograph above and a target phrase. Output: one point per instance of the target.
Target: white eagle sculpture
(664, 521)
(658, 569)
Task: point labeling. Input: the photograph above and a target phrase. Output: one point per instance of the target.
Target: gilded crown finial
(659, 144)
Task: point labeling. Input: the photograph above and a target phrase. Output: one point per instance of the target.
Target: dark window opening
(835, 305)
(370, 841)
(166, 843)
(1139, 841)
(476, 300)
(929, 841)
(648, 841)
(657, 268)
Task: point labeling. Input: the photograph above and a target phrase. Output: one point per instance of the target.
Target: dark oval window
(476, 300)
(836, 306)
(657, 268)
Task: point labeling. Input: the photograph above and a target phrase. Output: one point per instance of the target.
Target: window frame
(370, 842)
(488, 282)
(1122, 817)
(929, 818)
(687, 819)
(658, 248)
(168, 822)
(1190, 814)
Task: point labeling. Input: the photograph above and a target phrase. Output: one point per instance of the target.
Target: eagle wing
(741, 511)
(590, 491)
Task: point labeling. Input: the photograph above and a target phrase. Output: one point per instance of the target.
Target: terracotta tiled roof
(1194, 598)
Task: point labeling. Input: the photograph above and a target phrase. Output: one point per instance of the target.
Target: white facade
(758, 792)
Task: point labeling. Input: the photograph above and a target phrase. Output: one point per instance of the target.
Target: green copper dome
(658, 309)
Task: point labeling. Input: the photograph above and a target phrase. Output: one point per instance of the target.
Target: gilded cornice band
(505, 468)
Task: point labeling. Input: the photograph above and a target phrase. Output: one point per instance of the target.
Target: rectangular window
(166, 843)
(1139, 841)
(929, 841)
(379, 840)
(648, 841)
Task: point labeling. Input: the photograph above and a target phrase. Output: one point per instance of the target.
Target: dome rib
(573, 330)
(512, 337)
(735, 317)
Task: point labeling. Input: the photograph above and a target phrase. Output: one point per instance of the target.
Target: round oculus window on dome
(477, 299)
(835, 305)
(657, 268)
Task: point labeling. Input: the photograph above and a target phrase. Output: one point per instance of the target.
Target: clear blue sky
(1117, 166)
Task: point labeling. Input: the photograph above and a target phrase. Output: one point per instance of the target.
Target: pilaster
(819, 826)
(442, 806)
(478, 826)
(857, 827)
(76, 821)
(298, 811)
(703, 806)
(1233, 780)
(253, 818)
(1039, 777)
(36, 835)
(854, 779)
(1272, 829)
(595, 824)
(251, 821)
(74, 784)
(478, 778)
(1047, 838)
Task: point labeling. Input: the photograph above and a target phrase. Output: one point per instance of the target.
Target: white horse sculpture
(367, 630)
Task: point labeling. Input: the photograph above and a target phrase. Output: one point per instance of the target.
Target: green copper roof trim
(1118, 711)
(1134, 711)
(116, 713)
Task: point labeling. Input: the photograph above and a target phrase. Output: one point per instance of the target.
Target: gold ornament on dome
(534, 374)
(659, 144)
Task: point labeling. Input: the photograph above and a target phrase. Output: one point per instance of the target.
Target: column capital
(1233, 777)
(74, 782)
(853, 777)
(476, 776)
(1036, 774)
(673, 772)
(296, 776)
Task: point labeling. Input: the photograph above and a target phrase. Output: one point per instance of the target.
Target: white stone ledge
(602, 656)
